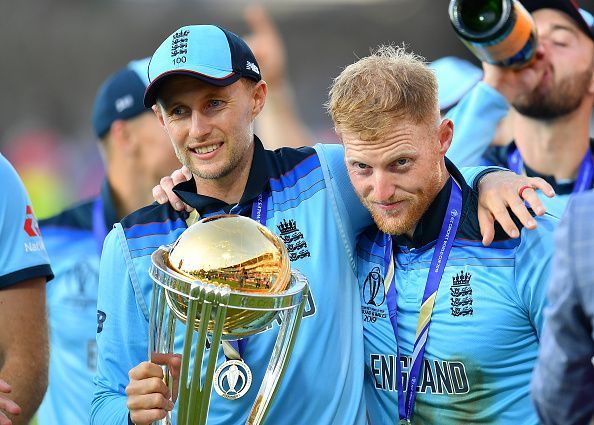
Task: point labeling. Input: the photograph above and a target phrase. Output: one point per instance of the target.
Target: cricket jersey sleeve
(475, 119)
(352, 216)
(532, 269)
(22, 253)
(122, 332)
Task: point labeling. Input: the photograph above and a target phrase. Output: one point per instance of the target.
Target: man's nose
(541, 48)
(383, 188)
(200, 126)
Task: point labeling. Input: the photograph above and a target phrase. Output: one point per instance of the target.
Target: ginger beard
(398, 172)
(412, 206)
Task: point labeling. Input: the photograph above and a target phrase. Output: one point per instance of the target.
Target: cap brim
(150, 94)
(565, 6)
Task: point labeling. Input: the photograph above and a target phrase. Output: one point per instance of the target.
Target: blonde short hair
(389, 84)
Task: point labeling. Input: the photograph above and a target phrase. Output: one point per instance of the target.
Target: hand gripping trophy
(225, 278)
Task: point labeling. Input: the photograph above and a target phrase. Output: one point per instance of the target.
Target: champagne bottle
(499, 32)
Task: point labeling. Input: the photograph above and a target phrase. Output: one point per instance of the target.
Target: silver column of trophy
(226, 277)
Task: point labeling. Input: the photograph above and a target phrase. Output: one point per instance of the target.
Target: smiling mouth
(201, 150)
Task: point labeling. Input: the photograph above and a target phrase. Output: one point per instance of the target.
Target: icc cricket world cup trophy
(225, 278)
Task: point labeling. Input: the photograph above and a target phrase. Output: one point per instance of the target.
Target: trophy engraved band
(225, 278)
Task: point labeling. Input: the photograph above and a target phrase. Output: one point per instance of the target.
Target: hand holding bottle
(513, 83)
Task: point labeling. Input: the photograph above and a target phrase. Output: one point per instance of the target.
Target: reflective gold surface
(229, 250)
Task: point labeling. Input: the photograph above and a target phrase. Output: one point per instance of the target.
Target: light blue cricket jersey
(484, 332)
(22, 252)
(475, 121)
(74, 239)
(310, 197)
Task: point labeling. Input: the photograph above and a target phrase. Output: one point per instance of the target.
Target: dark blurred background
(55, 54)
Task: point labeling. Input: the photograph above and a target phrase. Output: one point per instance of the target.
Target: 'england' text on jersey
(438, 376)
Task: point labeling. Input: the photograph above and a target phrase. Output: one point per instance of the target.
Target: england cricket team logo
(461, 295)
(293, 239)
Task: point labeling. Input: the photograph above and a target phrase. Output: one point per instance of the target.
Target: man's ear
(159, 113)
(445, 135)
(260, 91)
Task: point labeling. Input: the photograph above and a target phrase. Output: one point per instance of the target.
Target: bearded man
(552, 101)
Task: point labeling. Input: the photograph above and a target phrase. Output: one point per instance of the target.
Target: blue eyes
(215, 103)
(212, 104)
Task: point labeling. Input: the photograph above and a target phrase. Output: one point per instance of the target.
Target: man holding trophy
(206, 89)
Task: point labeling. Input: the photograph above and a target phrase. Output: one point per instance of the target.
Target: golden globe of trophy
(226, 277)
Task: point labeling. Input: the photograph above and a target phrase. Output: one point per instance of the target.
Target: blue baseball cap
(455, 78)
(207, 52)
(120, 97)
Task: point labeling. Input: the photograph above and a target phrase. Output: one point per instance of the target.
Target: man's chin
(209, 172)
(391, 225)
